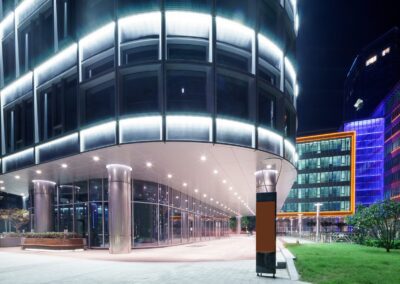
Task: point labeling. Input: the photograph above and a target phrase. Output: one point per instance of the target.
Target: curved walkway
(229, 260)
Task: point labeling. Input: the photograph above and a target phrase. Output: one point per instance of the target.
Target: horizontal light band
(188, 24)
(96, 132)
(141, 25)
(14, 86)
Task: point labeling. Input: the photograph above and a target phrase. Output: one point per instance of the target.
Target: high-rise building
(369, 159)
(142, 123)
(389, 109)
(374, 72)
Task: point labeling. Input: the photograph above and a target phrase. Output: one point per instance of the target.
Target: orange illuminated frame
(328, 136)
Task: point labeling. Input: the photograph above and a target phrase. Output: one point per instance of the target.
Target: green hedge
(47, 235)
(378, 243)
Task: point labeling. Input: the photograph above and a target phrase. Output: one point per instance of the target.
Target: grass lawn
(346, 263)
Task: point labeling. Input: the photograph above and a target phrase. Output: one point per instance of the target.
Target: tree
(381, 221)
(232, 223)
(19, 218)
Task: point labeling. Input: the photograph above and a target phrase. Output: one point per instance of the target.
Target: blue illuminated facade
(369, 159)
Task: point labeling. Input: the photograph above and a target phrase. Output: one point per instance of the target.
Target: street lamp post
(318, 205)
(300, 224)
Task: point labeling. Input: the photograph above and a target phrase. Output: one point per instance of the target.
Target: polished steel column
(43, 191)
(238, 224)
(266, 180)
(119, 208)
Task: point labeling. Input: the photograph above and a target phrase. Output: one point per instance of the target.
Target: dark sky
(331, 34)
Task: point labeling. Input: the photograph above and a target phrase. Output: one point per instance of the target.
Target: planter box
(52, 244)
(10, 242)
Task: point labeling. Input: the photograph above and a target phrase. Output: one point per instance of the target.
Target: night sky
(331, 34)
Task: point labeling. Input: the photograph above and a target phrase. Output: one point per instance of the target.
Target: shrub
(49, 235)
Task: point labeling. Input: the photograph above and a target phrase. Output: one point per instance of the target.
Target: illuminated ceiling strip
(102, 129)
(53, 143)
(271, 47)
(141, 24)
(318, 137)
(8, 20)
(26, 152)
(15, 85)
(290, 70)
(57, 59)
(191, 121)
(139, 122)
(180, 23)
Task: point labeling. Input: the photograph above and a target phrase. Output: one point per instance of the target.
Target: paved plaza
(229, 260)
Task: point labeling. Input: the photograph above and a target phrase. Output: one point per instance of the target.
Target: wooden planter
(52, 244)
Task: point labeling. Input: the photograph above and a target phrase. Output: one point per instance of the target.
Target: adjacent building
(389, 110)
(326, 175)
(372, 76)
(369, 159)
(142, 123)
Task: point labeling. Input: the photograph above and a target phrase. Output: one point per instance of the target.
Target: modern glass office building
(369, 159)
(143, 122)
(326, 175)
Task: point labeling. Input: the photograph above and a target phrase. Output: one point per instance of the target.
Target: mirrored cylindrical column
(43, 191)
(119, 208)
(266, 180)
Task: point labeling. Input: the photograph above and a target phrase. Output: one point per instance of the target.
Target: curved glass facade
(213, 71)
(161, 215)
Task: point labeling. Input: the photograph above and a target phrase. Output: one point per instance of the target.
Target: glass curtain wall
(161, 215)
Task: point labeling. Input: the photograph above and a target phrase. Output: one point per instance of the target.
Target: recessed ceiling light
(224, 181)
(211, 199)
(169, 176)
(230, 188)
(64, 166)
(235, 193)
(215, 172)
(217, 202)
(1, 181)
(17, 177)
(2, 188)
(269, 166)
(196, 190)
(204, 195)
(149, 165)
(96, 159)
(38, 172)
(184, 184)
(203, 158)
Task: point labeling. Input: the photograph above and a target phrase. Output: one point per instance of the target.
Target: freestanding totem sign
(266, 221)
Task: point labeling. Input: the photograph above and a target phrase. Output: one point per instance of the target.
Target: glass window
(176, 224)
(66, 19)
(145, 224)
(186, 91)
(81, 220)
(266, 109)
(9, 59)
(19, 125)
(163, 224)
(145, 191)
(140, 93)
(95, 190)
(129, 7)
(66, 218)
(93, 14)
(99, 103)
(36, 39)
(81, 192)
(232, 97)
(96, 224)
(65, 194)
(203, 6)
(57, 103)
